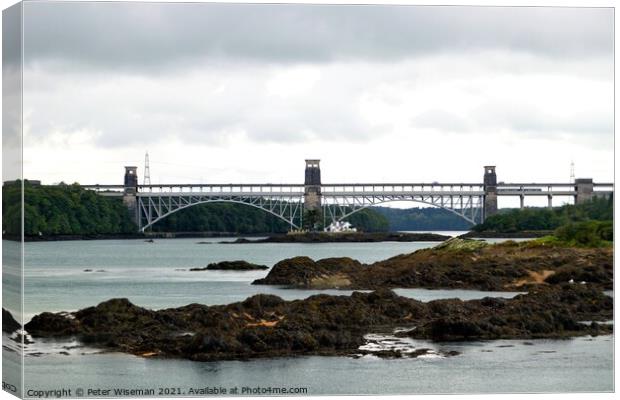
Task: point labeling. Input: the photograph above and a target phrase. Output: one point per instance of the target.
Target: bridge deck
(351, 190)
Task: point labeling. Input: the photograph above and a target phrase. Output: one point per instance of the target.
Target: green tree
(62, 210)
(514, 220)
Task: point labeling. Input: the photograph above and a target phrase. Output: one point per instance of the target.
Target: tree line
(71, 210)
(62, 210)
(535, 219)
(422, 219)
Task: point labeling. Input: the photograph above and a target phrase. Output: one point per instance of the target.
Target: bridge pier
(130, 188)
(585, 190)
(312, 194)
(490, 192)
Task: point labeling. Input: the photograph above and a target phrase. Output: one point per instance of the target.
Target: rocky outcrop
(53, 324)
(231, 266)
(303, 272)
(9, 324)
(545, 312)
(267, 326)
(457, 263)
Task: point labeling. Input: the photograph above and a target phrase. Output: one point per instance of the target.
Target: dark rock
(599, 273)
(455, 264)
(268, 326)
(231, 266)
(49, 324)
(306, 273)
(548, 311)
(9, 324)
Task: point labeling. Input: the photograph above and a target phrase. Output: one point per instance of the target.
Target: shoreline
(270, 237)
(263, 237)
(346, 237)
(132, 236)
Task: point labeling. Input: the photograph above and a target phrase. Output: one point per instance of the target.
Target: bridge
(315, 201)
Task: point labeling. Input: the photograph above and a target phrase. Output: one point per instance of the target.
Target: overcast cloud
(139, 35)
(378, 92)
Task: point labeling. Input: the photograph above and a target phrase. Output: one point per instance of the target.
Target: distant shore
(270, 237)
(145, 236)
(346, 237)
(310, 237)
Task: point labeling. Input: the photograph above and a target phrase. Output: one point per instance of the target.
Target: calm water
(156, 275)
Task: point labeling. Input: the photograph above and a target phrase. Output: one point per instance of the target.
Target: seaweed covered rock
(546, 312)
(303, 272)
(600, 273)
(457, 263)
(268, 326)
(456, 243)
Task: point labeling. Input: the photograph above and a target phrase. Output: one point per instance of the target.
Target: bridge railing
(237, 189)
(334, 189)
(392, 188)
(548, 189)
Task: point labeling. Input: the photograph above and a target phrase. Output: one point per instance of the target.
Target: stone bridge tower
(130, 189)
(585, 190)
(490, 192)
(312, 183)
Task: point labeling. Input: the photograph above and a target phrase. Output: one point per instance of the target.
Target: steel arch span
(152, 209)
(289, 207)
(467, 207)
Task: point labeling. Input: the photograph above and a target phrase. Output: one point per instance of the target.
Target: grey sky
(139, 35)
(238, 90)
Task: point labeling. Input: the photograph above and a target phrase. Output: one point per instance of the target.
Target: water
(579, 364)
(155, 275)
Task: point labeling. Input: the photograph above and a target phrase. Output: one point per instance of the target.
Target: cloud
(206, 105)
(345, 101)
(268, 85)
(143, 37)
(442, 120)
